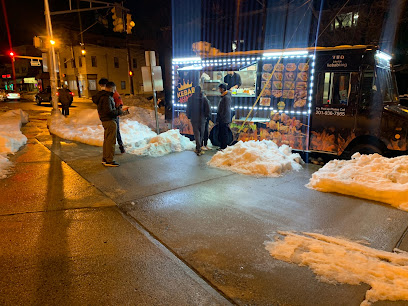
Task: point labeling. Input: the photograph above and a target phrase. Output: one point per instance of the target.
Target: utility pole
(3, 4)
(130, 72)
(52, 57)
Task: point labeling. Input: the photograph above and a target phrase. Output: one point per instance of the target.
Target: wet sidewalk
(168, 230)
(65, 242)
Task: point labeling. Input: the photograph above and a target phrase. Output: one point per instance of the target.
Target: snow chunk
(11, 138)
(262, 158)
(344, 261)
(372, 177)
(164, 143)
(85, 126)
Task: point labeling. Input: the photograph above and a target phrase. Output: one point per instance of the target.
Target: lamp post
(52, 57)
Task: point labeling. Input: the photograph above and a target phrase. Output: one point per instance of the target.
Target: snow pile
(139, 139)
(145, 116)
(164, 143)
(257, 158)
(11, 138)
(372, 177)
(339, 260)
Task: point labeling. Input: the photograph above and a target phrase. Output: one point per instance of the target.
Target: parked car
(12, 95)
(45, 96)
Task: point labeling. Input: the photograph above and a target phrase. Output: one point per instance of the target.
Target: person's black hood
(96, 98)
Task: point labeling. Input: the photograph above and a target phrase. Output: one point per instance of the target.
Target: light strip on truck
(289, 53)
(383, 56)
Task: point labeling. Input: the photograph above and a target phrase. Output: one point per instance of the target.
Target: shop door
(334, 118)
(92, 85)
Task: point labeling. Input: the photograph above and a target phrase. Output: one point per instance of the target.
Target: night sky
(26, 18)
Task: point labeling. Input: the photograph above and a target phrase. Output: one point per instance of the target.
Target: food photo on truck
(328, 100)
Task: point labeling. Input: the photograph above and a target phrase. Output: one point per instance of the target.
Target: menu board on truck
(286, 89)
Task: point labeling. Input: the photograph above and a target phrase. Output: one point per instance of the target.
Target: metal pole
(53, 73)
(132, 90)
(14, 72)
(154, 96)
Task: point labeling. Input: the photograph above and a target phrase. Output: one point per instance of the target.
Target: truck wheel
(366, 148)
(38, 101)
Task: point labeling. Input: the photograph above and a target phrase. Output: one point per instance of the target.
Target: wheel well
(365, 139)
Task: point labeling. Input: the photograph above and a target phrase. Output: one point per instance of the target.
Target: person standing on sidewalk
(224, 116)
(204, 144)
(118, 105)
(108, 114)
(65, 97)
(198, 110)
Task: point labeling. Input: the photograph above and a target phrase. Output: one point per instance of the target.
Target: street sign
(150, 57)
(148, 74)
(36, 63)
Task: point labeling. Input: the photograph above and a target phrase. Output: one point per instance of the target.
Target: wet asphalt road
(165, 231)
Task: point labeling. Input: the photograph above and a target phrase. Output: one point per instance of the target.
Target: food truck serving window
(334, 88)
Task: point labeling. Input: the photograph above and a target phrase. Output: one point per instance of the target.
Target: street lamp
(52, 42)
(83, 51)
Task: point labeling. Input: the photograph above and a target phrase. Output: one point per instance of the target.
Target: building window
(73, 85)
(116, 62)
(134, 63)
(123, 84)
(93, 60)
(92, 84)
(79, 61)
(65, 63)
(346, 20)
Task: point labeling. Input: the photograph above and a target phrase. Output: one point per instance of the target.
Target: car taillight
(57, 93)
(72, 94)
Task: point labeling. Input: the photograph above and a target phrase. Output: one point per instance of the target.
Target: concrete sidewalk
(217, 222)
(64, 242)
(191, 234)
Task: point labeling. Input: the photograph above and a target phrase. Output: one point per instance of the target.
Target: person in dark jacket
(224, 115)
(198, 110)
(233, 80)
(108, 114)
(65, 97)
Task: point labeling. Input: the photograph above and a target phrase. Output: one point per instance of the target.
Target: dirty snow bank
(339, 260)
(164, 143)
(257, 158)
(85, 126)
(11, 138)
(372, 177)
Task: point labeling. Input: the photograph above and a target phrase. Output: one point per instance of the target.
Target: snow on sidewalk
(372, 177)
(84, 126)
(344, 261)
(11, 138)
(262, 158)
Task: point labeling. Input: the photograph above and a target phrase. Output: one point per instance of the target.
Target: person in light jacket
(198, 110)
(224, 116)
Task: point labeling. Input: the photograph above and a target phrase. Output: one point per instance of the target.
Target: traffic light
(11, 53)
(130, 72)
(117, 17)
(129, 23)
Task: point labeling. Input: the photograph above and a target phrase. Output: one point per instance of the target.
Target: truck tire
(38, 101)
(365, 148)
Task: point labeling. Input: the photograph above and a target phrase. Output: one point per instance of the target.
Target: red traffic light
(11, 53)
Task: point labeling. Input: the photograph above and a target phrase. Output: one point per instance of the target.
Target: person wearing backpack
(198, 110)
